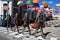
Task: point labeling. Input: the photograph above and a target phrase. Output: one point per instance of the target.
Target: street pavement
(11, 35)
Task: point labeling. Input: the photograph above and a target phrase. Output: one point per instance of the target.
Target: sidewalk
(55, 33)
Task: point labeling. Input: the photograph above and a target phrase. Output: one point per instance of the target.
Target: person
(26, 23)
(5, 8)
(40, 22)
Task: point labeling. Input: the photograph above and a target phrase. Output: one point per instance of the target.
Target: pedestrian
(26, 23)
(5, 8)
(40, 22)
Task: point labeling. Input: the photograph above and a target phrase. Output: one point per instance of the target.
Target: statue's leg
(17, 29)
(24, 28)
(29, 30)
(41, 28)
(41, 31)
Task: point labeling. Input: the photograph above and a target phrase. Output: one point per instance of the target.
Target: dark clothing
(19, 20)
(3, 20)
